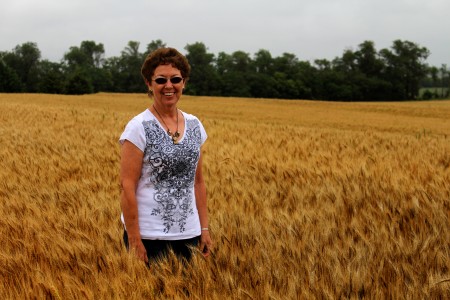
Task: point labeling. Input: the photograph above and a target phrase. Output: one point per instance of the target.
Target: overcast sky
(310, 29)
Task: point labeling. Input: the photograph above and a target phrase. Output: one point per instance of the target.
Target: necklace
(175, 135)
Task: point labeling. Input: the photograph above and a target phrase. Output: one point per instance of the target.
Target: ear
(149, 86)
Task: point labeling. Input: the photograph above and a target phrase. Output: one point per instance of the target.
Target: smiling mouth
(169, 94)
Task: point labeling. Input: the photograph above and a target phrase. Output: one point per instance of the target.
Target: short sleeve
(134, 132)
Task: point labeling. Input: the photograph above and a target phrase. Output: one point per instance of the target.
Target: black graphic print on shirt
(170, 170)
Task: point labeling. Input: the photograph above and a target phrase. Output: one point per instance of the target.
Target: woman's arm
(130, 172)
(200, 196)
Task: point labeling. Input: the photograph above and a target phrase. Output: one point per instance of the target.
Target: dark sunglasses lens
(176, 79)
(160, 80)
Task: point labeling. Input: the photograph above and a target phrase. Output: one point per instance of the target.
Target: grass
(307, 200)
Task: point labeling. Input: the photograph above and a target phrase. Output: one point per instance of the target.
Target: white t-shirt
(165, 193)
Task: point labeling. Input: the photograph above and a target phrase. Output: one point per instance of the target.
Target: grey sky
(310, 29)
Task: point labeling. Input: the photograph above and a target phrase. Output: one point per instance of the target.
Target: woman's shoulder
(190, 117)
(146, 115)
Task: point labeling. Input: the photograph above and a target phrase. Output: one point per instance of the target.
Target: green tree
(130, 69)
(51, 78)
(78, 83)
(359, 75)
(87, 61)
(434, 73)
(331, 81)
(264, 63)
(114, 68)
(204, 79)
(153, 45)
(367, 59)
(262, 82)
(371, 83)
(125, 70)
(24, 60)
(286, 71)
(9, 80)
(445, 76)
(344, 70)
(405, 68)
(235, 70)
(89, 54)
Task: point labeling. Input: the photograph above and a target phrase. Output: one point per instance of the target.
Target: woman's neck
(165, 111)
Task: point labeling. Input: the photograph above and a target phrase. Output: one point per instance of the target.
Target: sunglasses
(173, 80)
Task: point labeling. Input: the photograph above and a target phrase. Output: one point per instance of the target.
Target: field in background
(307, 200)
(438, 92)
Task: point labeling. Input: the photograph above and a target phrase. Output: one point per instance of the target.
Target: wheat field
(307, 200)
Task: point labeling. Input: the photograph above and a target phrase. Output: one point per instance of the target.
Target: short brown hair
(165, 56)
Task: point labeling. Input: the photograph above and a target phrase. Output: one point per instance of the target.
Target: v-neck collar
(162, 127)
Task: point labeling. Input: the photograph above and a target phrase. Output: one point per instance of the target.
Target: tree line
(364, 74)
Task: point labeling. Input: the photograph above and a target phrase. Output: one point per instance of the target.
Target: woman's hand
(206, 244)
(137, 247)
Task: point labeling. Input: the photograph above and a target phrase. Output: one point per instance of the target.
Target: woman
(163, 197)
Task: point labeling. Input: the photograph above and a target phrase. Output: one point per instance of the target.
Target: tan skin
(166, 97)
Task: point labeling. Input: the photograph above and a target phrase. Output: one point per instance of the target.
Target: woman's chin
(169, 100)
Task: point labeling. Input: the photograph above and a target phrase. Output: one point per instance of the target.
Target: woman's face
(168, 92)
